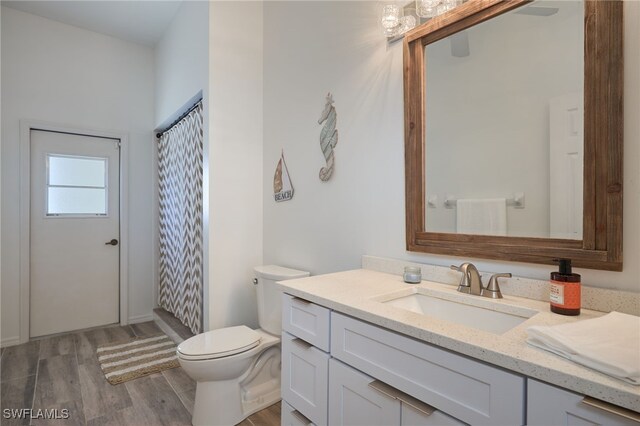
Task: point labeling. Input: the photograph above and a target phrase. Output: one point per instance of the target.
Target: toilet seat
(219, 343)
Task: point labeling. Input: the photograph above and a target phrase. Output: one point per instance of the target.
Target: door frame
(26, 126)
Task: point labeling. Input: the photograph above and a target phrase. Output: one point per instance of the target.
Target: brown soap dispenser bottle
(565, 295)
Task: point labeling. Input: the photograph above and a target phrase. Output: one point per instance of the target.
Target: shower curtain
(180, 193)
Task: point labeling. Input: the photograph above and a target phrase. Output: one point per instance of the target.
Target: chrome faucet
(471, 282)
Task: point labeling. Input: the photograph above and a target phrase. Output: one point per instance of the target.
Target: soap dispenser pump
(565, 292)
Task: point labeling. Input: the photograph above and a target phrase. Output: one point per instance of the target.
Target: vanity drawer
(305, 378)
(358, 399)
(468, 390)
(306, 320)
(292, 417)
(548, 405)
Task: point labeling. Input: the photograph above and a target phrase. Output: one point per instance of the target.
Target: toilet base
(215, 405)
(228, 402)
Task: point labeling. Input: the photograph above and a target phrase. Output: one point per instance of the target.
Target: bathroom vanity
(362, 347)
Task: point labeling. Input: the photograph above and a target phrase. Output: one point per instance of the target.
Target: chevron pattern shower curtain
(180, 190)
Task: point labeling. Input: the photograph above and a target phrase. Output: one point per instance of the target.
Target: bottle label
(565, 295)
(556, 294)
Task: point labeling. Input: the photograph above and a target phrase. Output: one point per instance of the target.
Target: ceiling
(141, 22)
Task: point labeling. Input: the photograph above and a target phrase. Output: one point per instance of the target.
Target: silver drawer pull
(394, 393)
(384, 389)
(613, 409)
(302, 419)
(299, 300)
(301, 343)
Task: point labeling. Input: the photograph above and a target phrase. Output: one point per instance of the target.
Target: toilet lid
(219, 343)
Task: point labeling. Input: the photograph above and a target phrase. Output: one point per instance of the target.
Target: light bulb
(407, 23)
(426, 8)
(390, 17)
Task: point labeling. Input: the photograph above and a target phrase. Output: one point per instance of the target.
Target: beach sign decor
(282, 187)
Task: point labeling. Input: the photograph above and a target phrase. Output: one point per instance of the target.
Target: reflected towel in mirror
(486, 216)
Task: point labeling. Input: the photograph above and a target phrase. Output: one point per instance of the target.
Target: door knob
(113, 242)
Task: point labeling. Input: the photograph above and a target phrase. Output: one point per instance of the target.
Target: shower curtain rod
(194, 106)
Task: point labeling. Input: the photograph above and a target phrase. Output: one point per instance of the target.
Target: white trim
(9, 341)
(155, 223)
(25, 217)
(141, 318)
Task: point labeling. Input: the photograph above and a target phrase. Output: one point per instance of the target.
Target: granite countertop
(359, 293)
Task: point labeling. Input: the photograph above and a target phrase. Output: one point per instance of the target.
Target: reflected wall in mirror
(504, 107)
(513, 110)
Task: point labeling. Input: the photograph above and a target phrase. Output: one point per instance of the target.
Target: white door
(566, 156)
(75, 231)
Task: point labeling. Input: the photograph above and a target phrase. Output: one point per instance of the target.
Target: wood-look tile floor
(63, 372)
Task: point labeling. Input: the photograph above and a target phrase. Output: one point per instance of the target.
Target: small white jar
(412, 274)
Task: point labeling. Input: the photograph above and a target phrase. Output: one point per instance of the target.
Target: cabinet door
(549, 405)
(305, 376)
(353, 402)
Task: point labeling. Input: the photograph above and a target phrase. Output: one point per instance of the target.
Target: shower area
(180, 174)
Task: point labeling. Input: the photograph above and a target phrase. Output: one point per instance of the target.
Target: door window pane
(75, 200)
(77, 171)
(76, 185)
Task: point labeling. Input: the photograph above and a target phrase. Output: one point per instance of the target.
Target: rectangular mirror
(504, 146)
(513, 132)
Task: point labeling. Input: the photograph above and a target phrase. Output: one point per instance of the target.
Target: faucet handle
(493, 289)
(465, 285)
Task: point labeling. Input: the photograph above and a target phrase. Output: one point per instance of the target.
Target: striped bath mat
(135, 358)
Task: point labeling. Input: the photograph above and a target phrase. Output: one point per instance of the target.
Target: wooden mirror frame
(601, 246)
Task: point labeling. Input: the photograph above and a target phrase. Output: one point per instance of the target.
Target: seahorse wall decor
(328, 137)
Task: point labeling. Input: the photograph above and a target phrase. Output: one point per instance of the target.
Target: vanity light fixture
(396, 20)
(433, 8)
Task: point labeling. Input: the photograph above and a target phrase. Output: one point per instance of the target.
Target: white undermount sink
(489, 316)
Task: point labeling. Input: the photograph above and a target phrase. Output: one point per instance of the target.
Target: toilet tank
(269, 297)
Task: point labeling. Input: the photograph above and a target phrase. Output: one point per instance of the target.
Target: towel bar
(517, 201)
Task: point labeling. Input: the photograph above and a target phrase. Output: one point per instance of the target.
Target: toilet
(237, 369)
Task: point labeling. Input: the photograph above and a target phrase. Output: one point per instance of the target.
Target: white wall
(311, 48)
(181, 61)
(488, 113)
(182, 75)
(69, 76)
(216, 48)
(235, 160)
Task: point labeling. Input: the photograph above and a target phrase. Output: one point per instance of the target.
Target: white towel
(481, 216)
(609, 344)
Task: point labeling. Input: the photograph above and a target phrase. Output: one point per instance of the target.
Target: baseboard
(9, 341)
(141, 318)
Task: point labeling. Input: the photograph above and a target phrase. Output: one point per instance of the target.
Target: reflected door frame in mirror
(601, 244)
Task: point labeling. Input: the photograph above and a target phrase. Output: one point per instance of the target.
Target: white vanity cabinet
(315, 338)
(468, 390)
(305, 361)
(549, 405)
